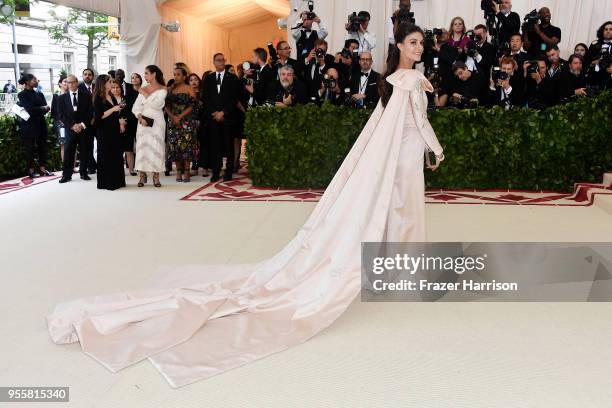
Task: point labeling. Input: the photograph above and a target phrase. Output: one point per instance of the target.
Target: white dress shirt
(367, 40)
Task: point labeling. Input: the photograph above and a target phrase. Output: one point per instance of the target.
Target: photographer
(304, 35)
(330, 89)
(509, 21)
(542, 36)
(540, 90)
(288, 90)
(364, 89)
(357, 28)
(485, 52)
(401, 14)
(506, 87)
(314, 66)
(258, 77)
(347, 62)
(469, 91)
(573, 81)
(601, 52)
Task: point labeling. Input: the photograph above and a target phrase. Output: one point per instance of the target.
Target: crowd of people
(197, 122)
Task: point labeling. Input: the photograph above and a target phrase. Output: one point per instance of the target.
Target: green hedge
(12, 157)
(485, 148)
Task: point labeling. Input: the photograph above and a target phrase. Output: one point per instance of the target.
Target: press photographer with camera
(314, 66)
(257, 76)
(573, 81)
(469, 91)
(542, 36)
(506, 87)
(402, 14)
(483, 52)
(601, 53)
(540, 90)
(304, 35)
(330, 90)
(357, 27)
(364, 88)
(347, 62)
(287, 90)
(509, 21)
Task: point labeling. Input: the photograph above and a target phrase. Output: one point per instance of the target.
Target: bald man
(544, 35)
(364, 87)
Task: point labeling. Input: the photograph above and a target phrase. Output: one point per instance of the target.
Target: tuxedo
(221, 94)
(368, 85)
(305, 43)
(74, 109)
(312, 73)
(266, 76)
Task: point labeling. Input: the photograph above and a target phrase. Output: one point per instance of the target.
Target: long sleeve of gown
(418, 104)
(138, 105)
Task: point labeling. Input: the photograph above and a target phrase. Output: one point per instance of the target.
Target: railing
(7, 100)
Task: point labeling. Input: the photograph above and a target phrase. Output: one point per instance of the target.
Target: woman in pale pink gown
(197, 322)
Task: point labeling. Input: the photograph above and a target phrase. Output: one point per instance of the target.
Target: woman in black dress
(110, 147)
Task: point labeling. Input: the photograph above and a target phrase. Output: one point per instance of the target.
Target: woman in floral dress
(183, 146)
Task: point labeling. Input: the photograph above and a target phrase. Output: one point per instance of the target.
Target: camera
(250, 78)
(465, 103)
(354, 21)
(310, 15)
(487, 6)
(504, 50)
(530, 20)
(404, 15)
(532, 68)
(329, 82)
(273, 54)
(472, 46)
(499, 75)
(320, 53)
(346, 53)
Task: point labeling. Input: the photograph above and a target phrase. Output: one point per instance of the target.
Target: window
(68, 63)
(24, 49)
(112, 63)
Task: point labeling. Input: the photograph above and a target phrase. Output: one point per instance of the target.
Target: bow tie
(365, 74)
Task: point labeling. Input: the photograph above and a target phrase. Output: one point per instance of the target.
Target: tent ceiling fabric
(232, 13)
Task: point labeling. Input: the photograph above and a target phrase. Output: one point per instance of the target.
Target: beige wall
(198, 41)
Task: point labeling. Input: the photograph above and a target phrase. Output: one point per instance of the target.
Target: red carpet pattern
(241, 189)
(19, 184)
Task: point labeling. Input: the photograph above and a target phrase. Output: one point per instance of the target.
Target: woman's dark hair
(184, 72)
(61, 78)
(25, 78)
(138, 76)
(159, 76)
(100, 89)
(403, 30)
(600, 30)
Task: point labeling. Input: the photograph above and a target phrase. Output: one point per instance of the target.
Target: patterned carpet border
(11, 186)
(241, 189)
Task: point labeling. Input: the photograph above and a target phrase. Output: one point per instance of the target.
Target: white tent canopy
(234, 27)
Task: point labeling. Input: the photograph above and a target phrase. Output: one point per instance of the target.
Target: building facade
(41, 56)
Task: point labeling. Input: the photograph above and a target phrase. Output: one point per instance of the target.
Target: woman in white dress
(194, 323)
(151, 131)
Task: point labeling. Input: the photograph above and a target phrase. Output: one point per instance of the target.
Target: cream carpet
(60, 242)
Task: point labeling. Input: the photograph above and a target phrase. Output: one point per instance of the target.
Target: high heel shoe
(143, 180)
(186, 176)
(156, 182)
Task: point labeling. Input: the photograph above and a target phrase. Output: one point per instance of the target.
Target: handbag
(149, 121)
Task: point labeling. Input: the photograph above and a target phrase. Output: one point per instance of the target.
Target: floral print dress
(182, 137)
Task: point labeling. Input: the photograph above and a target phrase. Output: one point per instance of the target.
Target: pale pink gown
(197, 322)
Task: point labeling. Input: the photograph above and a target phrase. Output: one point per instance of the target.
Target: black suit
(489, 57)
(34, 130)
(266, 76)
(509, 25)
(88, 138)
(220, 133)
(130, 95)
(370, 89)
(69, 118)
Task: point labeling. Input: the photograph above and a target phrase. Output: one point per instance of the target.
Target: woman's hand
(439, 159)
(175, 119)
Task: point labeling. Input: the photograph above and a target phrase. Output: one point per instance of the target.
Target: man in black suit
(87, 148)
(364, 88)
(262, 77)
(486, 53)
(509, 20)
(312, 68)
(75, 112)
(288, 90)
(220, 94)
